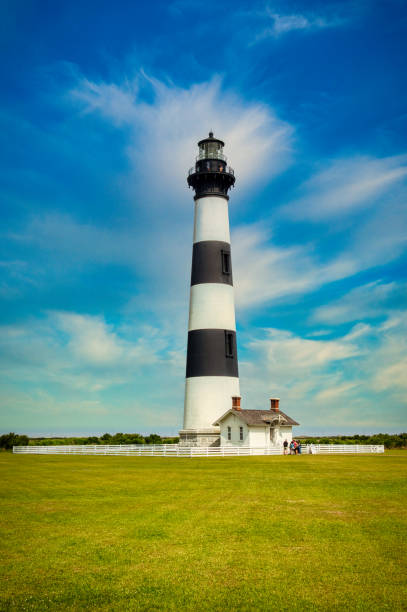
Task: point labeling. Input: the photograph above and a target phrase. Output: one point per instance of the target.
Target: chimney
(236, 402)
(274, 403)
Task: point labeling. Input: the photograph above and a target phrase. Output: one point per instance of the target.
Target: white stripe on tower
(212, 368)
(211, 306)
(211, 220)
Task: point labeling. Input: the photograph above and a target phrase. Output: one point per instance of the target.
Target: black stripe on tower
(212, 352)
(211, 263)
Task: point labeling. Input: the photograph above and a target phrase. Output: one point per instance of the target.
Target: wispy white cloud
(90, 339)
(267, 272)
(285, 347)
(327, 384)
(347, 185)
(160, 149)
(86, 242)
(381, 236)
(278, 24)
(161, 146)
(387, 363)
(334, 392)
(79, 350)
(258, 142)
(69, 363)
(358, 331)
(37, 411)
(392, 377)
(332, 384)
(364, 302)
(15, 273)
(117, 103)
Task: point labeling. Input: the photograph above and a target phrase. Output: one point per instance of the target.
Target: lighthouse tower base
(207, 398)
(200, 437)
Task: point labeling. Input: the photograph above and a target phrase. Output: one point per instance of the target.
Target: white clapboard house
(255, 428)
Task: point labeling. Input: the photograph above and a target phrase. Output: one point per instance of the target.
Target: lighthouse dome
(211, 148)
(211, 175)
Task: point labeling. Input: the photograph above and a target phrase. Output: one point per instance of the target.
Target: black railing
(223, 169)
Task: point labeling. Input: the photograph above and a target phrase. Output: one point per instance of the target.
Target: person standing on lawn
(285, 445)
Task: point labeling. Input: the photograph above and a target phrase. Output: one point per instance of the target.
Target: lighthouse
(212, 377)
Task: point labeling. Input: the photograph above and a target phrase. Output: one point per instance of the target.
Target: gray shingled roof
(261, 417)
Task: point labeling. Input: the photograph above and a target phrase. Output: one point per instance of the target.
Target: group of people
(294, 447)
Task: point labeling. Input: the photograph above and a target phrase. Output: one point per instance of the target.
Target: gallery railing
(224, 170)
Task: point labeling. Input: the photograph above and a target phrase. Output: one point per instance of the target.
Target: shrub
(7, 441)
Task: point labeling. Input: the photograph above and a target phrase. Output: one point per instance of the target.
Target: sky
(102, 106)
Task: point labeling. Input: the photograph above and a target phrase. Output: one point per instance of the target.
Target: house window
(229, 433)
(229, 344)
(241, 433)
(226, 267)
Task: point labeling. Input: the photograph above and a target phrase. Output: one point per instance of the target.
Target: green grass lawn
(250, 533)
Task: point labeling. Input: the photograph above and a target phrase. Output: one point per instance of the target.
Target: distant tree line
(389, 440)
(7, 441)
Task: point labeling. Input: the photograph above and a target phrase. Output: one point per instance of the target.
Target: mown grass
(255, 533)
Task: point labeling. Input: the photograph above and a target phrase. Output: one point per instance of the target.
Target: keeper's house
(255, 428)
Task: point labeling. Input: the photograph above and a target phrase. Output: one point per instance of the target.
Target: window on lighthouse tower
(229, 344)
(225, 262)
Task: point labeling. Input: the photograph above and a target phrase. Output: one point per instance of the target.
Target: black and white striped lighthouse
(212, 377)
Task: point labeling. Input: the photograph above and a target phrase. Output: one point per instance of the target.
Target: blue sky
(101, 110)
